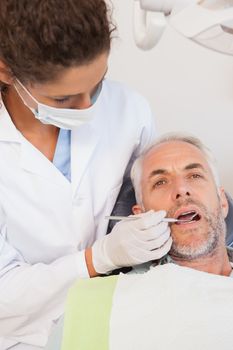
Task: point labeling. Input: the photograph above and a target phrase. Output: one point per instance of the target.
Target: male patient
(178, 174)
(185, 300)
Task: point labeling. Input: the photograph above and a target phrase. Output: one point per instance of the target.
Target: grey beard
(215, 235)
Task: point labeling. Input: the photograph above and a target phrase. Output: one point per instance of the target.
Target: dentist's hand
(132, 242)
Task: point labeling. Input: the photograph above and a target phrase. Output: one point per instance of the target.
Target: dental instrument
(172, 220)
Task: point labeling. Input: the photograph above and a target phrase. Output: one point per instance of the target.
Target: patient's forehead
(173, 154)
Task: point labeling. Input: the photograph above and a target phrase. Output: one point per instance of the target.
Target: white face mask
(61, 117)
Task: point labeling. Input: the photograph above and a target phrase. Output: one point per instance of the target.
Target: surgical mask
(63, 118)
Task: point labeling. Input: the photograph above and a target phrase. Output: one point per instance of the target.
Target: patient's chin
(189, 235)
(195, 248)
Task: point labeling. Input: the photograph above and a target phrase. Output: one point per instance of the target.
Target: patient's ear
(6, 76)
(223, 201)
(136, 209)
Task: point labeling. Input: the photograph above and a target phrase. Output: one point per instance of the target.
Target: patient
(178, 174)
(185, 300)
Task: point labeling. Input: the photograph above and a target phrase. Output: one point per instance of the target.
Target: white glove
(132, 242)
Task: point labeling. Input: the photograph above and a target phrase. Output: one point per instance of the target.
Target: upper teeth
(187, 212)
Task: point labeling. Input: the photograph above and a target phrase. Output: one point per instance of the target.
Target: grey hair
(136, 170)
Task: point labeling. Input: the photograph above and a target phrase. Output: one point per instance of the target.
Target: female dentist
(67, 139)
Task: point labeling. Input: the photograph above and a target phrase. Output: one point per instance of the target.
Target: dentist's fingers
(162, 251)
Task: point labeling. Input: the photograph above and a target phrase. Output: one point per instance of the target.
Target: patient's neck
(217, 263)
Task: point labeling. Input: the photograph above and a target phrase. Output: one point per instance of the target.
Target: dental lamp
(206, 22)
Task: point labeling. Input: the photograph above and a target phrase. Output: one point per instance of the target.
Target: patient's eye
(159, 183)
(196, 176)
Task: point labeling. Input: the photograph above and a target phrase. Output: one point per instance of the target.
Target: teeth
(192, 212)
(188, 217)
(188, 212)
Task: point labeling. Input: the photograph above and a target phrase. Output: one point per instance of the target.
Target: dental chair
(188, 309)
(88, 318)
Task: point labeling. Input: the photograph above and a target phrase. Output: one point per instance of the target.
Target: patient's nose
(180, 190)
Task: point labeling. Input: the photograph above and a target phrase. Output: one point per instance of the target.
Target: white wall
(190, 88)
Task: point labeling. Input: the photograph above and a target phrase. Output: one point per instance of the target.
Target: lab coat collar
(31, 159)
(8, 131)
(83, 143)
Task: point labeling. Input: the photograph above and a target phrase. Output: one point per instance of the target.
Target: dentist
(67, 139)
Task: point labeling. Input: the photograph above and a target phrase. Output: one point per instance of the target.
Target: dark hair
(39, 38)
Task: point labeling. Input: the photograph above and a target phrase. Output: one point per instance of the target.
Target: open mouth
(188, 217)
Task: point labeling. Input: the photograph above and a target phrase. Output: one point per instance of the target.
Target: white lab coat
(46, 222)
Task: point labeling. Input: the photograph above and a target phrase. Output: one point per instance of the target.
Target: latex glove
(132, 242)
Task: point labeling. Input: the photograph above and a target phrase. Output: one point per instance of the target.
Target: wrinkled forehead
(173, 155)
